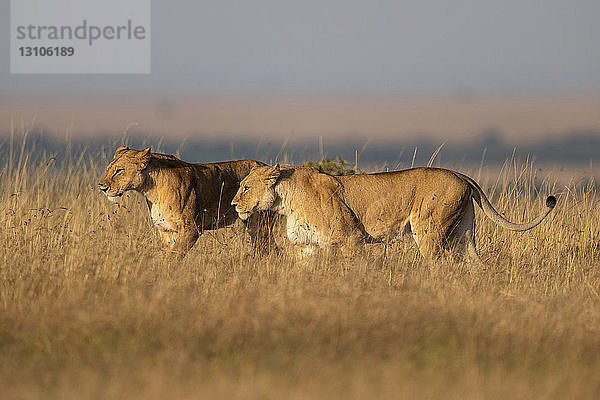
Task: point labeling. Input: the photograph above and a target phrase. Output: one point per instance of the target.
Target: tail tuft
(551, 202)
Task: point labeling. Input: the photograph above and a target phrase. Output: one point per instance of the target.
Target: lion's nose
(234, 202)
(103, 187)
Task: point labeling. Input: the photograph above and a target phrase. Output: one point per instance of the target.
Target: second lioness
(184, 199)
(434, 204)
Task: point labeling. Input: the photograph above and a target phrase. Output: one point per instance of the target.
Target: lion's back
(384, 201)
(236, 168)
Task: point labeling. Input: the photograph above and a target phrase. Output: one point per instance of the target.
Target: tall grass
(88, 311)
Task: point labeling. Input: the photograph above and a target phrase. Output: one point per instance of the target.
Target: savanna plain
(88, 310)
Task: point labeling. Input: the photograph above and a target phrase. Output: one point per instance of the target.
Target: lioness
(184, 199)
(434, 204)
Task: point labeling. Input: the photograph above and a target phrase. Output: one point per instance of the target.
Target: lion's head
(257, 191)
(125, 172)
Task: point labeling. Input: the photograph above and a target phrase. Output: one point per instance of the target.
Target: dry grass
(87, 310)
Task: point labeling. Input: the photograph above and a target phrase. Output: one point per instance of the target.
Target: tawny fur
(434, 205)
(184, 199)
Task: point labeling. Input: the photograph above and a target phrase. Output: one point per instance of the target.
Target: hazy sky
(346, 46)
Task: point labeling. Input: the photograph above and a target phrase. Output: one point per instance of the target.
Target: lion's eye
(117, 172)
(245, 189)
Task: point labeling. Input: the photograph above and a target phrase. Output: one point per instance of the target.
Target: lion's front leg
(184, 241)
(352, 248)
(168, 237)
(179, 242)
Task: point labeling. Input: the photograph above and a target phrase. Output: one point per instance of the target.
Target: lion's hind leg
(446, 235)
(461, 237)
(429, 240)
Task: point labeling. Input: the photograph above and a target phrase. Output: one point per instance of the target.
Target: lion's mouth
(115, 198)
(244, 215)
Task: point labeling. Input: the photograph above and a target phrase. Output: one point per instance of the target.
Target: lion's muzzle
(112, 197)
(244, 215)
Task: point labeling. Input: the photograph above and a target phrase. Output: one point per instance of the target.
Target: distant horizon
(518, 119)
(576, 148)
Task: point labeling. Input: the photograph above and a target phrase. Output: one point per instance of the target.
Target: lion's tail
(489, 210)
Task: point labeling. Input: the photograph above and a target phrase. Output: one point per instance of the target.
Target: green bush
(333, 166)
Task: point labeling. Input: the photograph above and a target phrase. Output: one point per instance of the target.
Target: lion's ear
(144, 157)
(121, 149)
(273, 174)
